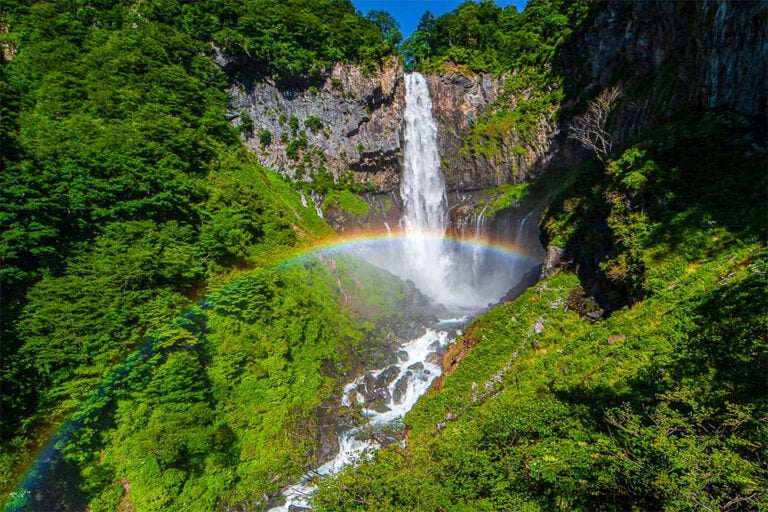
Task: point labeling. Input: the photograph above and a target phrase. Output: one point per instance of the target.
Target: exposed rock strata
(361, 115)
(459, 101)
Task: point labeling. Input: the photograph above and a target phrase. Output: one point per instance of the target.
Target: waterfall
(422, 188)
(477, 252)
(521, 234)
(463, 277)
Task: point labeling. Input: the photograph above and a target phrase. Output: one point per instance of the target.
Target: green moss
(347, 201)
(506, 196)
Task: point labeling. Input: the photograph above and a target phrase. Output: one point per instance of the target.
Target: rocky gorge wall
(360, 128)
(461, 99)
(667, 57)
(350, 122)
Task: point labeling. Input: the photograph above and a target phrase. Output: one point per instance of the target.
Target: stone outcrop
(357, 123)
(361, 126)
(459, 100)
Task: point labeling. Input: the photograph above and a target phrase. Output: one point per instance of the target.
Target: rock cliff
(350, 122)
(669, 57)
(666, 57)
(459, 100)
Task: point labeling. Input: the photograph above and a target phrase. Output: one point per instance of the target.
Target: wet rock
(375, 396)
(387, 376)
(417, 366)
(594, 315)
(459, 100)
(402, 355)
(434, 358)
(388, 441)
(530, 278)
(552, 261)
(401, 386)
(276, 501)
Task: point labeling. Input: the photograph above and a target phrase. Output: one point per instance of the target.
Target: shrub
(265, 137)
(314, 124)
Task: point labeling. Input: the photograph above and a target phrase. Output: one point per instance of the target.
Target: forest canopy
(484, 37)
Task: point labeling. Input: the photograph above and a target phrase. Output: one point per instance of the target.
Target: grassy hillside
(661, 402)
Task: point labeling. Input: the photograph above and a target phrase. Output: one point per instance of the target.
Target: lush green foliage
(661, 406)
(231, 400)
(125, 190)
(126, 195)
(481, 37)
(504, 196)
(484, 37)
(295, 39)
(347, 201)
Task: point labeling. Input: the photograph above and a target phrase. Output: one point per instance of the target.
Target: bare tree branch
(589, 129)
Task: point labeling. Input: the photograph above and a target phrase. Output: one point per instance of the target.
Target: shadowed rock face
(670, 56)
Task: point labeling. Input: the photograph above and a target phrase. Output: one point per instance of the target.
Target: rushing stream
(463, 278)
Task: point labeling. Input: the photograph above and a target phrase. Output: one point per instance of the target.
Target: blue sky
(408, 12)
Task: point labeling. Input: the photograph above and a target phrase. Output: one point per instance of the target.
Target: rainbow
(50, 453)
(382, 239)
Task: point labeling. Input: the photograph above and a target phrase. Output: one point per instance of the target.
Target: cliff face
(350, 122)
(666, 57)
(671, 56)
(360, 127)
(461, 99)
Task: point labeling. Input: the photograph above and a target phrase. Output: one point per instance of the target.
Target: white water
(422, 188)
(412, 376)
(422, 259)
(462, 278)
